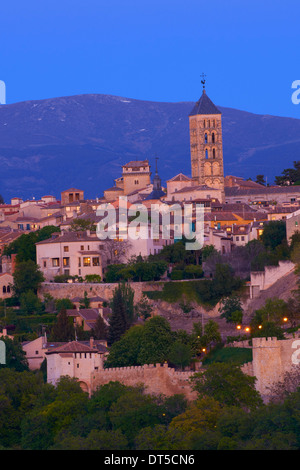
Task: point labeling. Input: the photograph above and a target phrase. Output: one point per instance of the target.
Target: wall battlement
(157, 379)
(265, 343)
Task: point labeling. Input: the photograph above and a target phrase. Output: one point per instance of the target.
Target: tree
(81, 225)
(24, 246)
(289, 176)
(1, 200)
(157, 339)
(260, 179)
(180, 354)
(116, 251)
(100, 330)
(227, 384)
(143, 308)
(15, 356)
(229, 309)
(27, 276)
(85, 302)
(118, 322)
(63, 303)
(30, 303)
(63, 329)
(274, 310)
(274, 234)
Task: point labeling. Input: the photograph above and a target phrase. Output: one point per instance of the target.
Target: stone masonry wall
(272, 358)
(70, 290)
(156, 378)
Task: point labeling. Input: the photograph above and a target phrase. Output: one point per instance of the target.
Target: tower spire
(203, 81)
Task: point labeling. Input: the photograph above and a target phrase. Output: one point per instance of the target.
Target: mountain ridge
(83, 140)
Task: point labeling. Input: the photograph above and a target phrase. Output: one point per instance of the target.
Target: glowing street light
(285, 319)
(238, 327)
(247, 329)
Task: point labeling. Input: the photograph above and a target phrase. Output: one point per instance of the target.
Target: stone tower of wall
(267, 363)
(206, 144)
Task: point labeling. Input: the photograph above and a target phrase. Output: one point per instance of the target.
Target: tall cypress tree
(118, 321)
(63, 329)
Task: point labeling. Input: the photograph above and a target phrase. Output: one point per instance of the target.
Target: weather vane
(203, 76)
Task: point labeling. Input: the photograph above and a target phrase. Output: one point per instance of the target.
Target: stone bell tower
(206, 144)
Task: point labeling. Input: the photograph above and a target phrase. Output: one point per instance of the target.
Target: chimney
(91, 342)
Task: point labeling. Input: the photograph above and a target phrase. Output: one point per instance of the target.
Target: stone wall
(156, 378)
(261, 280)
(272, 358)
(105, 290)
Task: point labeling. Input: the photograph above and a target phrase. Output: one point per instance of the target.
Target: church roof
(204, 106)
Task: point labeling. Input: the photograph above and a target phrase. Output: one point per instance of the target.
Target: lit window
(55, 262)
(86, 261)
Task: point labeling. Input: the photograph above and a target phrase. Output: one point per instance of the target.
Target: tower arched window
(206, 154)
(214, 153)
(205, 139)
(4, 289)
(213, 137)
(209, 123)
(214, 123)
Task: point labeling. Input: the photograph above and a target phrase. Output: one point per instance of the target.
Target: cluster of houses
(235, 212)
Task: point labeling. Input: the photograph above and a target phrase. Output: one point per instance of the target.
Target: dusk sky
(153, 50)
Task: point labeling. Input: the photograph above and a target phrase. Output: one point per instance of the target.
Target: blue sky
(153, 50)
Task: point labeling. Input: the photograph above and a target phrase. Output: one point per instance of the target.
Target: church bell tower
(206, 144)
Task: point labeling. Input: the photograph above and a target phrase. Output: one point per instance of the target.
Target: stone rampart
(105, 290)
(272, 358)
(262, 280)
(157, 379)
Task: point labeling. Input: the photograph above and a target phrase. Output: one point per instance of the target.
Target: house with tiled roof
(70, 253)
(75, 359)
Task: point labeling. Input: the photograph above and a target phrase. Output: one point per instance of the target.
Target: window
(213, 137)
(66, 249)
(55, 262)
(96, 262)
(45, 264)
(86, 261)
(243, 238)
(66, 261)
(237, 239)
(82, 248)
(206, 154)
(79, 262)
(205, 139)
(214, 153)
(4, 289)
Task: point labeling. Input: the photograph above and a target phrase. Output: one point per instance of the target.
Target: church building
(206, 144)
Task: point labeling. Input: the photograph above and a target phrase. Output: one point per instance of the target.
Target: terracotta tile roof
(72, 347)
(136, 163)
(180, 177)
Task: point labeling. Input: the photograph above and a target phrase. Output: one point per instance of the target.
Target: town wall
(105, 290)
(261, 280)
(272, 358)
(157, 379)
